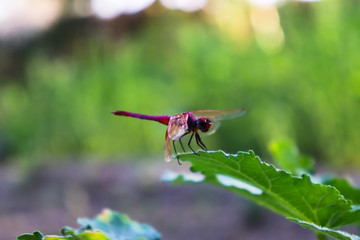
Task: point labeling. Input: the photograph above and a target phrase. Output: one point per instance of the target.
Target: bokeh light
(108, 9)
(22, 17)
(185, 5)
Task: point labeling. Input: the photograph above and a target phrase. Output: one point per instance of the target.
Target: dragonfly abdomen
(161, 119)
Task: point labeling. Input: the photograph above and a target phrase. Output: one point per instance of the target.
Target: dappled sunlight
(244, 22)
(232, 19)
(266, 24)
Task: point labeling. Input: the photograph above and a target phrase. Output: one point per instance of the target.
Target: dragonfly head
(203, 124)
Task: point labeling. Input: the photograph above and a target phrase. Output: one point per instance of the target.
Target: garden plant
(321, 204)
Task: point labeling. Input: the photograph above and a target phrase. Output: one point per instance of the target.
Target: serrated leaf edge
(288, 174)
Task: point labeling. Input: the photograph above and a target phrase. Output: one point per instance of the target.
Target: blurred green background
(294, 66)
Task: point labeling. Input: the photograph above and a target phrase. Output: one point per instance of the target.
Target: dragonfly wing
(214, 126)
(219, 114)
(177, 126)
(167, 148)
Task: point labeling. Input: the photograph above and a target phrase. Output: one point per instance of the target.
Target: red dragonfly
(179, 125)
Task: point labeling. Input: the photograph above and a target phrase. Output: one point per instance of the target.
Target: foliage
(287, 156)
(108, 225)
(319, 207)
(35, 236)
(345, 187)
(83, 235)
(336, 234)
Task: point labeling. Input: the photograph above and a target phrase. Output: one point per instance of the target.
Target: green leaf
(108, 225)
(280, 191)
(287, 156)
(119, 227)
(81, 235)
(336, 234)
(28, 236)
(70, 235)
(345, 187)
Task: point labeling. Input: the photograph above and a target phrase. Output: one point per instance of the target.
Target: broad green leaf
(108, 225)
(280, 191)
(345, 187)
(287, 156)
(336, 234)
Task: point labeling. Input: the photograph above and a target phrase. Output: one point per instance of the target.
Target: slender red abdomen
(161, 119)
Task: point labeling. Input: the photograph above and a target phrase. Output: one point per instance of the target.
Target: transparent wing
(214, 126)
(216, 116)
(219, 114)
(167, 148)
(177, 126)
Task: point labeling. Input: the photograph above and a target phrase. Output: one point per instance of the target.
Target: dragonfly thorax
(203, 124)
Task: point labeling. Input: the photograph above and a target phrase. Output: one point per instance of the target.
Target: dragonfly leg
(190, 145)
(181, 142)
(177, 158)
(199, 142)
(181, 145)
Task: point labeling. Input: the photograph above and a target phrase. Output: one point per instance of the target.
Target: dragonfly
(182, 124)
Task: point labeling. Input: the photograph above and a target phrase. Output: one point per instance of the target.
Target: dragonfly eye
(203, 124)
